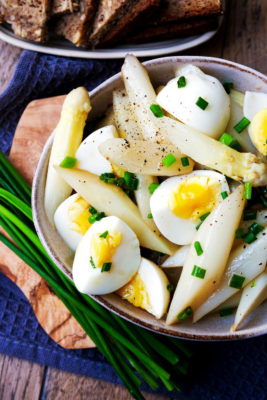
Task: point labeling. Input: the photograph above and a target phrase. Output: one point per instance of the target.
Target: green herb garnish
(237, 281)
(242, 124)
(181, 82)
(225, 312)
(157, 110)
(228, 86)
(185, 161)
(106, 267)
(248, 190)
(182, 316)
(168, 160)
(152, 187)
(68, 162)
(149, 215)
(170, 287)
(250, 215)
(201, 103)
(198, 248)
(198, 272)
(224, 195)
(104, 235)
(92, 262)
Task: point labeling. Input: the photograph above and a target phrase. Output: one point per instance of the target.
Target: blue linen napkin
(222, 371)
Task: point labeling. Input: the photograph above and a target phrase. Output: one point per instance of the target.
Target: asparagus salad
(180, 170)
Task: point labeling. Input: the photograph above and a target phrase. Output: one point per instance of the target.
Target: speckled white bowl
(211, 327)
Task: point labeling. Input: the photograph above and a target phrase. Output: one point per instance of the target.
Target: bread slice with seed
(115, 17)
(77, 26)
(28, 18)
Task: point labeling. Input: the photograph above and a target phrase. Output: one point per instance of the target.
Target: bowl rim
(242, 334)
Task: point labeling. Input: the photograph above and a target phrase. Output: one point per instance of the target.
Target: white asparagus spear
(253, 295)
(129, 129)
(247, 260)
(202, 273)
(68, 137)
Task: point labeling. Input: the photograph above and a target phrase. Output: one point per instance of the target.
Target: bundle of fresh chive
(131, 350)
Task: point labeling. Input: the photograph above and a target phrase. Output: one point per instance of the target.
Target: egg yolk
(194, 197)
(104, 248)
(78, 214)
(259, 131)
(135, 292)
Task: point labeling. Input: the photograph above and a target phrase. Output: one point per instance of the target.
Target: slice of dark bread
(173, 30)
(177, 10)
(28, 18)
(114, 18)
(76, 26)
(60, 7)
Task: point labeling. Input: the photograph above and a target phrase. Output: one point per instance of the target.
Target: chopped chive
(198, 248)
(152, 187)
(236, 145)
(201, 103)
(106, 267)
(225, 312)
(96, 217)
(224, 195)
(170, 287)
(204, 216)
(68, 162)
(120, 181)
(226, 139)
(168, 160)
(104, 234)
(92, 210)
(108, 177)
(161, 254)
(130, 180)
(228, 86)
(237, 281)
(183, 315)
(239, 233)
(253, 284)
(181, 82)
(157, 110)
(149, 215)
(185, 161)
(248, 190)
(242, 124)
(249, 237)
(249, 215)
(256, 228)
(92, 262)
(198, 226)
(198, 272)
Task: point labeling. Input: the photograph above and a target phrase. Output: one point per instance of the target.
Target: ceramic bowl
(211, 327)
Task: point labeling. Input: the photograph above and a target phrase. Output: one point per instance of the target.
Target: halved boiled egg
(107, 257)
(209, 115)
(88, 156)
(179, 202)
(72, 220)
(255, 110)
(148, 289)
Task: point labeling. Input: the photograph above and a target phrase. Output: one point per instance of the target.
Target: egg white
(177, 230)
(125, 261)
(63, 223)
(253, 103)
(181, 102)
(88, 156)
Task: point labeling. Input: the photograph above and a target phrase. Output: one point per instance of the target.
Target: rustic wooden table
(243, 39)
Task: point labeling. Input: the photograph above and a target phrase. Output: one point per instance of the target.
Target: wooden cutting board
(37, 122)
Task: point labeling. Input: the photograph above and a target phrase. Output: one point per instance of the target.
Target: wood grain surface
(243, 39)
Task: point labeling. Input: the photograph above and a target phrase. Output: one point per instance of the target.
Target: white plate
(61, 47)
